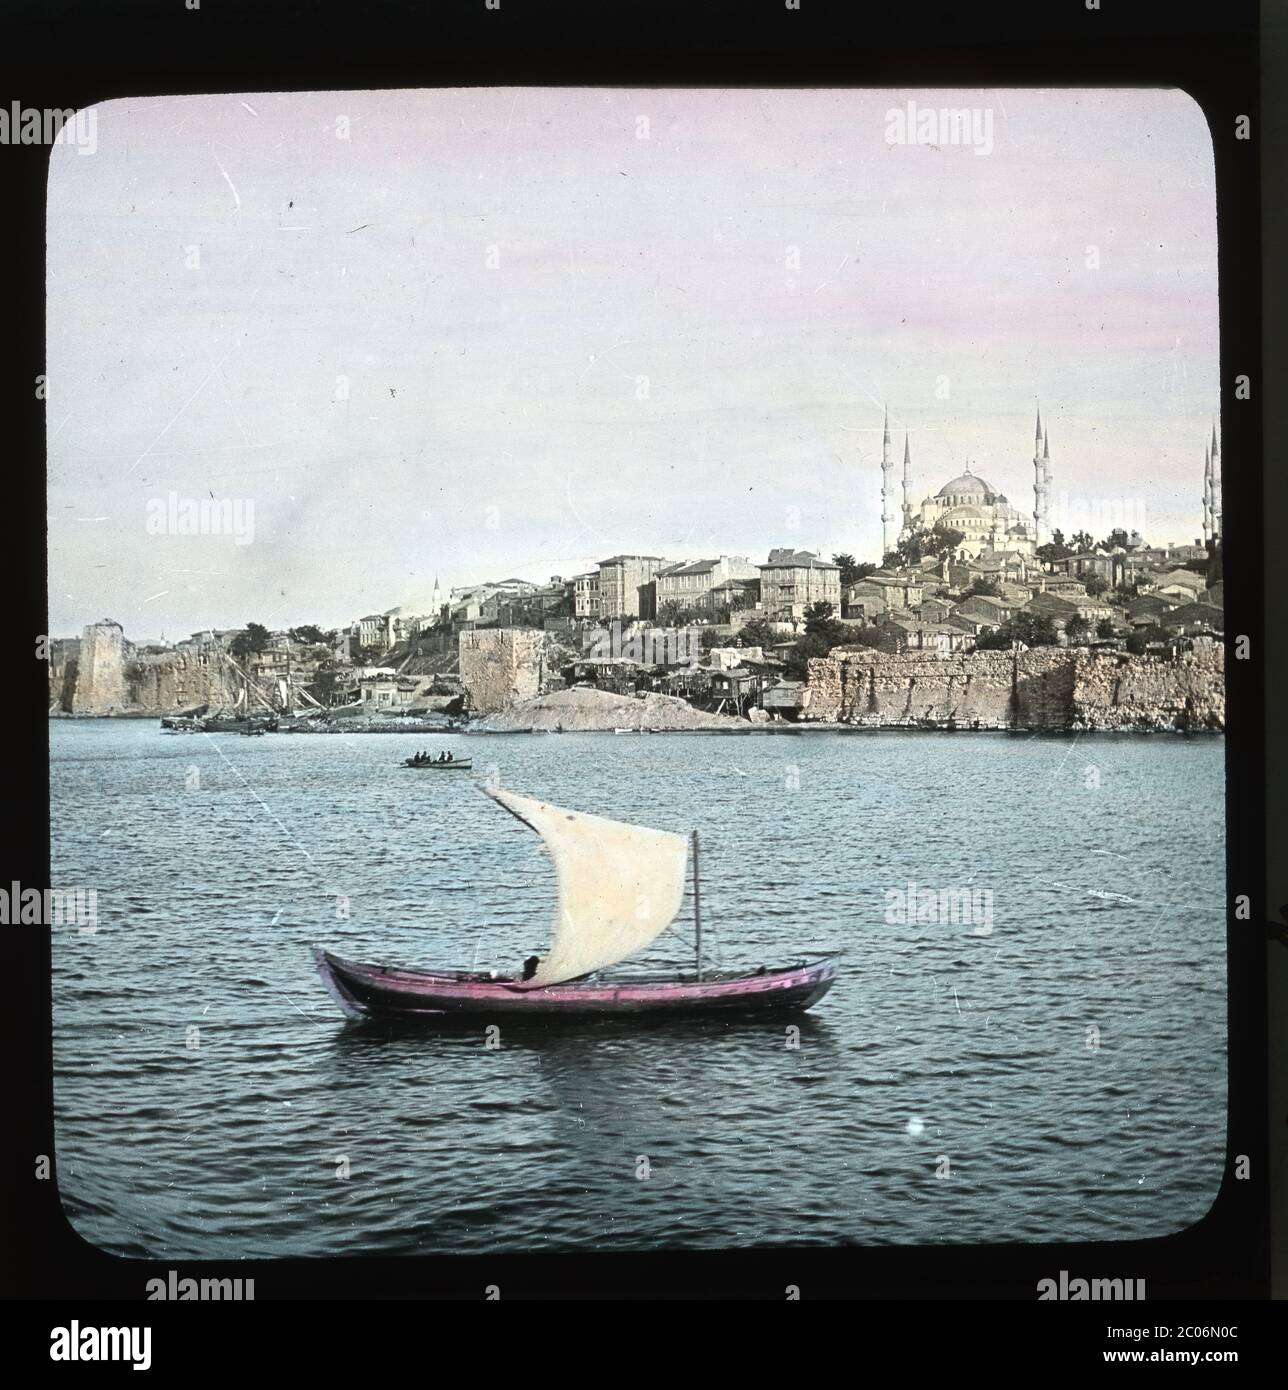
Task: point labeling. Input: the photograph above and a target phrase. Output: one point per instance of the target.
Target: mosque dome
(967, 487)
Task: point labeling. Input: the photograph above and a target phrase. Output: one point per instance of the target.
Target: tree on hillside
(253, 638)
(308, 633)
(798, 659)
(985, 586)
(823, 631)
(852, 570)
(756, 633)
(1082, 542)
(1095, 585)
(1032, 629)
(1055, 549)
(679, 614)
(1105, 629)
(1143, 636)
(1077, 629)
(820, 621)
(926, 545)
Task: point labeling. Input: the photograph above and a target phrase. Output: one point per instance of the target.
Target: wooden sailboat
(620, 887)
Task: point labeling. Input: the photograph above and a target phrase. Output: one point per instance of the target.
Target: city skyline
(513, 331)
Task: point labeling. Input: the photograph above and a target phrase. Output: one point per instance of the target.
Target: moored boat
(181, 724)
(620, 886)
(232, 724)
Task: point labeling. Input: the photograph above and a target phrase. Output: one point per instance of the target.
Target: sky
(483, 333)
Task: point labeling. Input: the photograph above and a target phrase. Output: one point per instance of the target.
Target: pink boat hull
(381, 991)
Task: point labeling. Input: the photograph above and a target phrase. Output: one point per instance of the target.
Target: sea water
(1053, 1070)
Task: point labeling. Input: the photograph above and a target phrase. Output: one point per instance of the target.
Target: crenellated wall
(1043, 688)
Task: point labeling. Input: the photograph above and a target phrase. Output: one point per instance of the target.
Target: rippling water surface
(1070, 1065)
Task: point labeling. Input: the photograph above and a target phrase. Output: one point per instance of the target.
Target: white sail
(620, 886)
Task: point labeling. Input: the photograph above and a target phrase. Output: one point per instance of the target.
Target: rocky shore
(583, 709)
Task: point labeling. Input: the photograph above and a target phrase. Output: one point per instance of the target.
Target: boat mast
(697, 910)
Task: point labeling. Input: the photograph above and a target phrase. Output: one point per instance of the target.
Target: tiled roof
(1051, 603)
(694, 567)
(796, 559)
(1189, 613)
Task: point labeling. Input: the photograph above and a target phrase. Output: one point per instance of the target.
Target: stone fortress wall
(1042, 688)
(106, 676)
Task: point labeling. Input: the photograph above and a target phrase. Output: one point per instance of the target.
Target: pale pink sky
(497, 418)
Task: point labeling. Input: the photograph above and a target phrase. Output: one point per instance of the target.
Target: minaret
(1047, 480)
(1217, 526)
(1207, 495)
(437, 599)
(907, 489)
(1039, 487)
(887, 490)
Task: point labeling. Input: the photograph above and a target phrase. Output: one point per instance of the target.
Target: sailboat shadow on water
(620, 887)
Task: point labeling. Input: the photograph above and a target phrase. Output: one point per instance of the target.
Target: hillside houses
(1181, 585)
(692, 585)
(1121, 592)
(883, 592)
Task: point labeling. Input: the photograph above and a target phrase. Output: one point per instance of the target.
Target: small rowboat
(620, 887)
(456, 764)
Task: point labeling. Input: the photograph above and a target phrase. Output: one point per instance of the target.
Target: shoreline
(783, 730)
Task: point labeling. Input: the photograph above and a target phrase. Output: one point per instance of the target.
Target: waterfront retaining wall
(102, 674)
(1145, 692)
(165, 682)
(1043, 688)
